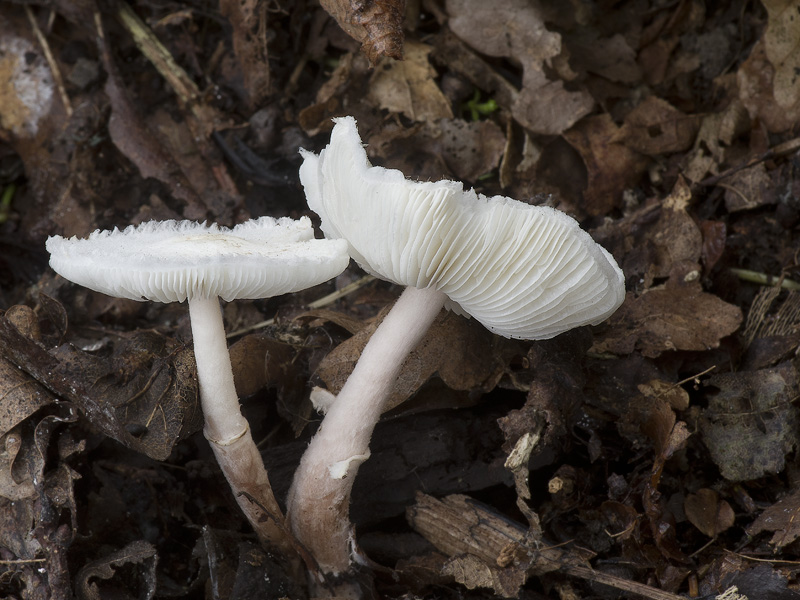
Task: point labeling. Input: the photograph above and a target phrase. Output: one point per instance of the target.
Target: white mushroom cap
(523, 271)
(170, 261)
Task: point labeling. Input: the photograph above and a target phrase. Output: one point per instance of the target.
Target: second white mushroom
(523, 271)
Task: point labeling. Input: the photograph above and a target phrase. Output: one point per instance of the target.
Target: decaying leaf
(749, 188)
(611, 166)
(448, 148)
(782, 518)
(376, 24)
(516, 29)
(708, 512)
(140, 554)
(9, 488)
(780, 42)
(672, 318)
(408, 86)
(712, 143)
(751, 423)
(656, 127)
(464, 354)
(144, 395)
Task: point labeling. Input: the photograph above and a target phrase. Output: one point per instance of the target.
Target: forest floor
(653, 456)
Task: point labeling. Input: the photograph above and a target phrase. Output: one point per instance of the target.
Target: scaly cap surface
(169, 261)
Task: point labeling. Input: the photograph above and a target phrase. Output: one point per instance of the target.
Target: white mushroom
(523, 271)
(173, 261)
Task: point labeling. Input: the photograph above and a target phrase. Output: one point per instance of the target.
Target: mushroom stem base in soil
(225, 428)
(320, 495)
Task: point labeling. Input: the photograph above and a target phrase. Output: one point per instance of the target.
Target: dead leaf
(656, 127)
(611, 166)
(376, 24)
(749, 188)
(659, 390)
(142, 554)
(780, 44)
(471, 572)
(672, 318)
(782, 518)
(750, 423)
(610, 57)
(464, 354)
(516, 29)
(708, 512)
(755, 80)
(144, 395)
(717, 134)
(408, 86)
(445, 149)
(9, 488)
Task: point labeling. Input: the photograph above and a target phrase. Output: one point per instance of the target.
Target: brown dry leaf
(708, 512)
(750, 425)
(656, 127)
(780, 44)
(782, 518)
(89, 580)
(755, 79)
(672, 318)
(611, 166)
(471, 572)
(717, 133)
(408, 86)
(248, 18)
(749, 188)
(663, 35)
(658, 422)
(465, 355)
(515, 29)
(10, 488)
(447, 148)
(658, 389)
(144, 395)
(20, 396)
(610, 57)
(376, 24)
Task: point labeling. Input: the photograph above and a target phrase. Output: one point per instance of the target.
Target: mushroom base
(319, 500)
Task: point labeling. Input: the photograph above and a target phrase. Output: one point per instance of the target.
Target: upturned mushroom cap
(170, 261)
(523, 271)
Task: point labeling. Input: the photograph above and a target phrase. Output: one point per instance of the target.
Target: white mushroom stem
(225, 428)
(319, 498)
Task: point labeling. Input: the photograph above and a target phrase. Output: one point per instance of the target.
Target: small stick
(51, 61)
(764, 279)
(319, 303)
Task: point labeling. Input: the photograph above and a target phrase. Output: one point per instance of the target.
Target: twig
(50, 61)
(22, 561)
(779, 150)
(764, 279)
(319, 303)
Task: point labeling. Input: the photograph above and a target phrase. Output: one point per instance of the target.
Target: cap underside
(522, 271)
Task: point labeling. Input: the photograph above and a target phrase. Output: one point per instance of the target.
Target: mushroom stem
(319, 498)
(225, 428)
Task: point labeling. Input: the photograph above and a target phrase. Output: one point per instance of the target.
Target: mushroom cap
(170, 261)
(523, 271)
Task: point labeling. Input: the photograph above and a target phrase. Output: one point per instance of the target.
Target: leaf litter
(655, 454)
